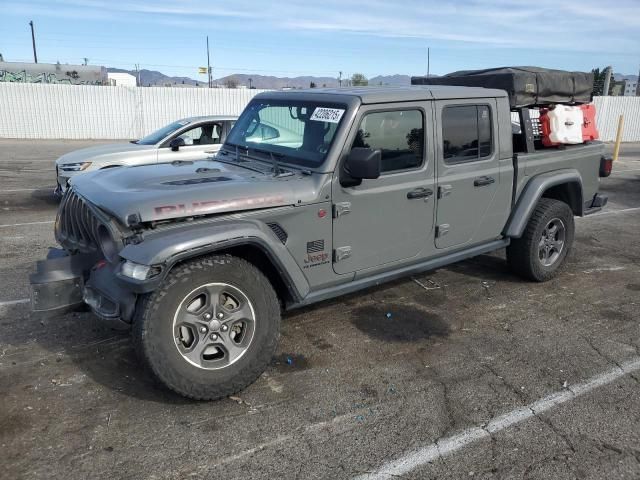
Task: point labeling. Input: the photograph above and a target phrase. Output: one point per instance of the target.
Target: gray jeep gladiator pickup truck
(313, 195)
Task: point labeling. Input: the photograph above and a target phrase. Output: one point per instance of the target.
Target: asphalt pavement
(476, 374)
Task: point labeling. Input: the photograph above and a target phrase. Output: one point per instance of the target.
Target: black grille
(279, 231)
(76, 225)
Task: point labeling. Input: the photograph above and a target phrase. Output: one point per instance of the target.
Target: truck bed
(585, 158)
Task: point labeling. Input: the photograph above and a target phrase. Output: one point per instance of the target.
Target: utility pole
(208, 62)
(340, 79)
(428, 61)
(607, 81)
(33, 41)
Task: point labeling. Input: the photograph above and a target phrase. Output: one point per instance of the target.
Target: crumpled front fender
(183, 241)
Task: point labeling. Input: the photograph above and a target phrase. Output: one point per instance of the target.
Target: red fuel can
(589, 129)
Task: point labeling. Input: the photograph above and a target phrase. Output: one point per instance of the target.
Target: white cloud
(569, 25)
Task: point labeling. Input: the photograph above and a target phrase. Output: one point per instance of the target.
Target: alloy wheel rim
(214, 326)
(552, 242)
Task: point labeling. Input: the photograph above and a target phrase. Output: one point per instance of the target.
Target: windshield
(297, 132)
(159, 135)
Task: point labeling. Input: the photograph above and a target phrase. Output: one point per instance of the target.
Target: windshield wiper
(238, 158)
(272, 156)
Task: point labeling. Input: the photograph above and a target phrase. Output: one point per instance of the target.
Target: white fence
(92, 112)
(608, 111)
(29, 110)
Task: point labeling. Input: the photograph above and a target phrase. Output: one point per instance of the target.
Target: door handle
(419, 193)
(483, 181)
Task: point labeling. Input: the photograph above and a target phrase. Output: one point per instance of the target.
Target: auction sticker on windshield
(323, 114)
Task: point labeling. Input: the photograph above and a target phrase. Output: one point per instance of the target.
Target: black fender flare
(169, 247)
(531, 194)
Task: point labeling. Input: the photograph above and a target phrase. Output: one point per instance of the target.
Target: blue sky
(302, 37)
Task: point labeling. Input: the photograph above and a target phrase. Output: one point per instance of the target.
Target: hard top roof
(387, 94)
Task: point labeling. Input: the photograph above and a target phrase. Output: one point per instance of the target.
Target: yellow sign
(202, 70)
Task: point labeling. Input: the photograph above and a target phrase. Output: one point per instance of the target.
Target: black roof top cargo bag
(526, 86)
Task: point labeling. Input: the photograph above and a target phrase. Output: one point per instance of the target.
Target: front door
(468, 173)
(382, 222)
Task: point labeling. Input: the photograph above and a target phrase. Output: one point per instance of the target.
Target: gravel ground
(448, 385)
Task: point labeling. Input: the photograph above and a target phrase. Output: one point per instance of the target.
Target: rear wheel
(545, 243)
(210, 329)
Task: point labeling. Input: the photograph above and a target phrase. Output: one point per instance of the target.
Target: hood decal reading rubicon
(213, 206)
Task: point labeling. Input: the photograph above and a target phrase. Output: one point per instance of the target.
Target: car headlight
(75, 167)
(135, 270)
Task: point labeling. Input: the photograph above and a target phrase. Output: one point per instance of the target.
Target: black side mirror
(364, 163)
(176, 143)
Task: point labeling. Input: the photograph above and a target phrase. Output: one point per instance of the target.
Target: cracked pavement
(465, 344)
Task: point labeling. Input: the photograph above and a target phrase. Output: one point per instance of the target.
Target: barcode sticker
(323, 114)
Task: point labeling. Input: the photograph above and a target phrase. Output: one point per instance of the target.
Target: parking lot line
(8, 303)
(612, 212)
(37, 189)
(447, 446)
(24, 224)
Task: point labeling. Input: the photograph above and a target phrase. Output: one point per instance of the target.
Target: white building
(630, 87)
(121, 79)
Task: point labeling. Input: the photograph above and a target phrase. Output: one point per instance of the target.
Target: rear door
(384, 221)
(468, 173)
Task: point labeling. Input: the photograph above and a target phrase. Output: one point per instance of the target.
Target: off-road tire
(153, 328)
(523, 253)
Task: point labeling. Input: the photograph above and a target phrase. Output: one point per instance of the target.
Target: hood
(86, 154)
(184, 189)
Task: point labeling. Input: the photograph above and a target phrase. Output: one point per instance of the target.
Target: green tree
(231, 82)
(359, 80)
(598, 82)
(312, 85)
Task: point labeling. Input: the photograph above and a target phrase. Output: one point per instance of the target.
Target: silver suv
(186, 139)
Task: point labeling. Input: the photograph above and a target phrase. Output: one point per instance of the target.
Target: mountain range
(153, 77)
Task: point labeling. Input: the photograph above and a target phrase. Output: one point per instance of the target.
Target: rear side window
(466, 133)
(398, 134)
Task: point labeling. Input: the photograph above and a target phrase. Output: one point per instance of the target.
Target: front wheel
(545, 243)
(210, 329)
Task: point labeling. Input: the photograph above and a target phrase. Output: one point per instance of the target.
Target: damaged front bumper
(64, 283)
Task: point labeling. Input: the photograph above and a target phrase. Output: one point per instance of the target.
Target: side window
(398, 134)
(191, 135)
(206, 134)
(466, 133)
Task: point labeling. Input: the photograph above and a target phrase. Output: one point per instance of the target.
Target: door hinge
(444, 191)
(341, 253)
(341, 208)
(442, 230)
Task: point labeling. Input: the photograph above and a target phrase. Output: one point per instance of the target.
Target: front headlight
(74, 167)
(134, 270)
